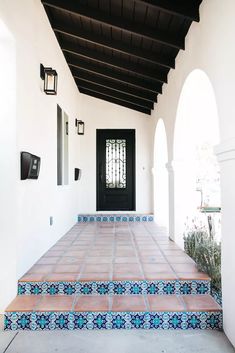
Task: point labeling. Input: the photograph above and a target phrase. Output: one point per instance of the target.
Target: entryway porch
(114, 275)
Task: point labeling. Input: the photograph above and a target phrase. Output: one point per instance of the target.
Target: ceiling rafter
(118, 95)
(115, 101)
(95, 56)
(106, 72)
(183, 8)
(114, 85)
(76, 8)
(155, 58)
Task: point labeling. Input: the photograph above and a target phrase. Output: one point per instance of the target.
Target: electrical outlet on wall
(51, 220)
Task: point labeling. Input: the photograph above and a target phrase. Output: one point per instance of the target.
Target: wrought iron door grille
(115, 164)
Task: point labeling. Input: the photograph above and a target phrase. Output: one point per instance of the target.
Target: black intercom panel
(77, 174)
(30, 166)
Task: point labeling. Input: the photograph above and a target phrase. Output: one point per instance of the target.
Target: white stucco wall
(30, 124)
(209, 48)
(98, 114)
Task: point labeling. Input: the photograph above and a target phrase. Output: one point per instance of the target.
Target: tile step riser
(115, 218)
(115, 288)
(112, 320)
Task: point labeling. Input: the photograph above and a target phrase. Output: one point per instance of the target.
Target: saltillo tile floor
(114, 275)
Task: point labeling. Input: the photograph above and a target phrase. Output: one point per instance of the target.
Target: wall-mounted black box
(30, 166)
(77, 174)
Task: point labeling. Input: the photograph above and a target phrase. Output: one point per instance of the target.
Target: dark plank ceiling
(122, 50)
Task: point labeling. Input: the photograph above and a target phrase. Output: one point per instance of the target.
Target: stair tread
(107, 303)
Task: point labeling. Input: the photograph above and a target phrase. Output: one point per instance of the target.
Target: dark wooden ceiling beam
(184, 8)
(118, 95)
(95, 56)
(115, 101)
(76, 8)
(119, 46)
(114, 85)
(111, 74)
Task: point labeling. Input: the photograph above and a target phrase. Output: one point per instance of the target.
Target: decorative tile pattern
(115, 287)
(217, 296)
(112, 320)
(115, 218)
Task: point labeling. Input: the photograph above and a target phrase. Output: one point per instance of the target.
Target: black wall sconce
(80, 126)
(50, 78)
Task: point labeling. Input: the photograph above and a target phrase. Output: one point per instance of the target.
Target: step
(167, 287)
(113, 312)
(115, 218)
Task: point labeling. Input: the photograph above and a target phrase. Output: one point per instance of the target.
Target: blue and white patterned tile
(115, 218)
(161, 287)
(112, 320)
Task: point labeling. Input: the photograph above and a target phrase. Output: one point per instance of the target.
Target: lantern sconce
(50, 78)
(80, 126)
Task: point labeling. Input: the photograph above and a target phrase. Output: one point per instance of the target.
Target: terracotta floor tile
(147, 247)
(96, 276)
(93, 268)
(144, 253)
(185, 268)
(51, 253)
(165, 303)
(98, 253)
(160, 275)
(33, 277)
(193, 275)
(78, 254)
(60, 277)
(99, 260)
(48, 260)
(125, 253)
(128, 303)
(92, 303)
(156, 268)
(41, 269)
(102, 247)
(66, 268)
(135, 276)
(200, 303)
(69, 260)
(125, 268)
(153, 260)
(126, 260)
(173, 252)
(124, 247)
(24, 303)
(179, 259)
(56, 303)
(168, 247)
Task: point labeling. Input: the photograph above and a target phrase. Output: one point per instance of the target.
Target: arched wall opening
(196, 171)
(161, 192)
(8, 167)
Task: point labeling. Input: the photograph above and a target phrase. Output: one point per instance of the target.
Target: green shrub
(206, 253)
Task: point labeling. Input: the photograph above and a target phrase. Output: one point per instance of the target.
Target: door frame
(133, 161)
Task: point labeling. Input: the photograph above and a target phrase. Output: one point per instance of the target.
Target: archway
(196, 171)
(161, 193)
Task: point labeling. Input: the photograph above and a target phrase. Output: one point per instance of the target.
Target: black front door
(115, 170)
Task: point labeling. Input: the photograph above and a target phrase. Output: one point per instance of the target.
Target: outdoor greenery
(202, 247)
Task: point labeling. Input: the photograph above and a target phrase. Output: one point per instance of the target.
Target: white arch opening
(161, 193)
(196, 171)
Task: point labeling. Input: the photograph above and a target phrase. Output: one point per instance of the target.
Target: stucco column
(182, 197)
(170, 169)
(226, 156)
